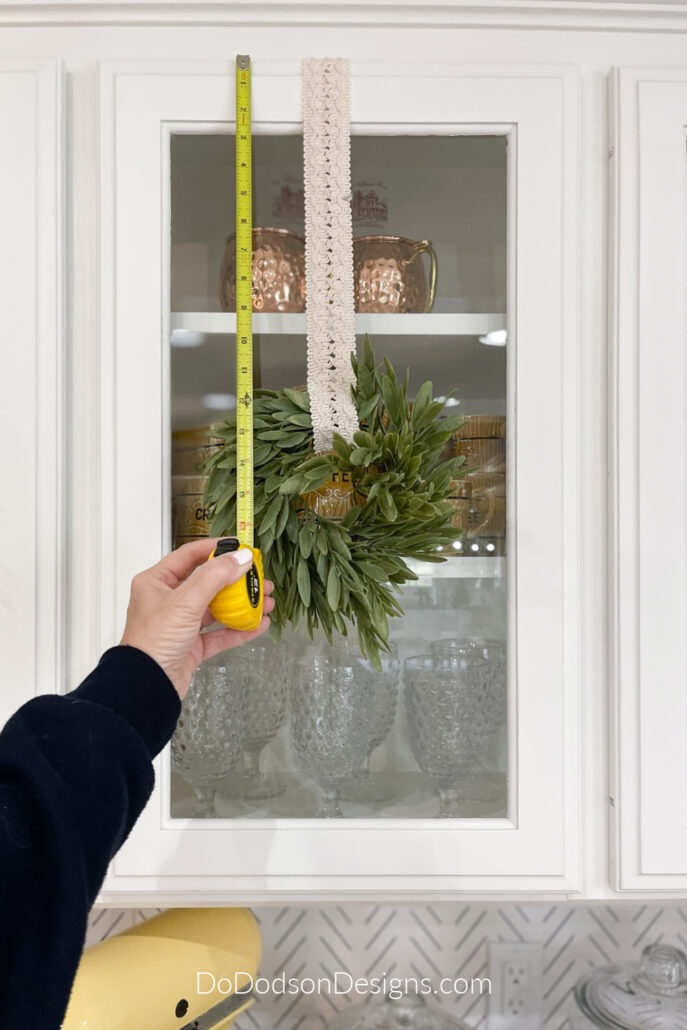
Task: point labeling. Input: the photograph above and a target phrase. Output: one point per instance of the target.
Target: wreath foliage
(338, 573)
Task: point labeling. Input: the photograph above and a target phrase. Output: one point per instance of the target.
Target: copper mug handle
(489, 496)
(422, 247)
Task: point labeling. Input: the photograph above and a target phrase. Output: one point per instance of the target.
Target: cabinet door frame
(32, 416)
(537, 848)
(647, 545)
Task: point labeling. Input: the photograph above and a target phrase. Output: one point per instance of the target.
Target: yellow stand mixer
(186, 969)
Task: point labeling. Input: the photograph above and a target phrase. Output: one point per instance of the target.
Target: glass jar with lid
(647, 995)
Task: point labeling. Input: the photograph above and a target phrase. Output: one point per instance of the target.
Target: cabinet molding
(598, 15)
(537, 848)
(648, 436)
(32, 572)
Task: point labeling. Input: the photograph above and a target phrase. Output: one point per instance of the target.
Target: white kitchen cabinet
(647, 540)
(147, 109)
(32, 515)
(122, 249)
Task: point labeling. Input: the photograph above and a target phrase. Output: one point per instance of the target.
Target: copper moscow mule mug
(278, 271)
(389, 276)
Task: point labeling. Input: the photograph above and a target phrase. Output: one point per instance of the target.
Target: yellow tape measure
(240, 606)
(244, 307)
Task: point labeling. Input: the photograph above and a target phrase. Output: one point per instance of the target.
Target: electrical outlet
(515, 1002)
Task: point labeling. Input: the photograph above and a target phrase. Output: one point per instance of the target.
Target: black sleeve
(75, 773)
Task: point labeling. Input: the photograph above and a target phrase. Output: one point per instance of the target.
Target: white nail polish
(243, 557)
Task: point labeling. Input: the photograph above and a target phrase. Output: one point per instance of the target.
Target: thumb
(207, 580)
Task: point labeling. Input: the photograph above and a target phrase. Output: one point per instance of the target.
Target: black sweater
(75, 773)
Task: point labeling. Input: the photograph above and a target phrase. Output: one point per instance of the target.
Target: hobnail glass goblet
(262, 664)
(331, 700)
(449, 725)
(475, 787)
(493, 652)
(363, 787)
(208, 737)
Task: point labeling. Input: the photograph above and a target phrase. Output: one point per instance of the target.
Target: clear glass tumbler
(209, 735)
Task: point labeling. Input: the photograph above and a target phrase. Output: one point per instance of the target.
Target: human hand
(168, 607)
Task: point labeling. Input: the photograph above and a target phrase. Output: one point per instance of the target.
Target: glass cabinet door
(430, 232)
(297, 767)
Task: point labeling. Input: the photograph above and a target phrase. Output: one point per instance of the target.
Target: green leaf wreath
(337, 573)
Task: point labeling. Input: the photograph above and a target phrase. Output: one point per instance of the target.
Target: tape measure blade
(244, 305)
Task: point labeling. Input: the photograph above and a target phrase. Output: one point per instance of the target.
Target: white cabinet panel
(31, 426)
(534, 848)
(649, 515)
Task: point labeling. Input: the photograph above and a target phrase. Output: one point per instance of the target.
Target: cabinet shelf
(460, 567)
(431, 324)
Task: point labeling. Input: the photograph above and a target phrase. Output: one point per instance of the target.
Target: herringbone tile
(434, 941)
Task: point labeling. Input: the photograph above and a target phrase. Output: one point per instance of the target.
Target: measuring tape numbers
(239, 606)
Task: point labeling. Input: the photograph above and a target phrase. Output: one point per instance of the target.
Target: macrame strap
(328, 248)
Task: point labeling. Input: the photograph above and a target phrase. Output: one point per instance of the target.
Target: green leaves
(335, 575)
(270, 517)
(303, 580)
(305, 541)
(312, 474)
(298, 398)
(292, 485)
(333, 588)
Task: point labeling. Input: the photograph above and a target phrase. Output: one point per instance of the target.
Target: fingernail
(243, 557)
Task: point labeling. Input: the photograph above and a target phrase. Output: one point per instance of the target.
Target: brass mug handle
(422, 247)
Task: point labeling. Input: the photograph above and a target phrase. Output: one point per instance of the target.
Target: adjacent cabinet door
(482, 162)
(648, 542)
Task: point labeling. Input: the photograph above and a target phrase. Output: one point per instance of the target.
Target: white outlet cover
(515, 972)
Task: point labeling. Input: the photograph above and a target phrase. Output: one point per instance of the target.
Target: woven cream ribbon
(328, 248)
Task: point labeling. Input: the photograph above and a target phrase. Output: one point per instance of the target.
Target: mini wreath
(334, 529)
